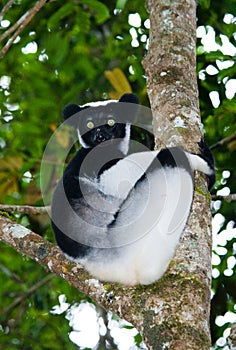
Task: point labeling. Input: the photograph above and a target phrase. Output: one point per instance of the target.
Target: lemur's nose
(99, 136)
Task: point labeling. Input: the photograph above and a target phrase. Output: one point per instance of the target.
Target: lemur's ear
(69, 114)
(129, 110)
(130, 98)
(70, 110)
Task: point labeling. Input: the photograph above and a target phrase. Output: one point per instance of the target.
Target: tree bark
(178, 316)
(170, 67)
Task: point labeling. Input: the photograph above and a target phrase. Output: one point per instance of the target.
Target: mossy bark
(178, 313)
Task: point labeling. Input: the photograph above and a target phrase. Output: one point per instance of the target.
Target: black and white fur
(120, 215)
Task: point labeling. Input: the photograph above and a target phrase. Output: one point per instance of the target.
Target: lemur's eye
(90, 125)
(111, 122)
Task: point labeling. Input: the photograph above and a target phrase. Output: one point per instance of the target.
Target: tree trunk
(178, 315)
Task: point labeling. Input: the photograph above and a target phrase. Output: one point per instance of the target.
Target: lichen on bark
(178, 316)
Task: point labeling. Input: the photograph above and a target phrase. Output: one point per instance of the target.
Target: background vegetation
(86, 50)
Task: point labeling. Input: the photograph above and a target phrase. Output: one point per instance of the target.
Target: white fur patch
(197, 163)
(81, 141)
(124, 143)
(99, 103)
(118, 180)
(147, 240)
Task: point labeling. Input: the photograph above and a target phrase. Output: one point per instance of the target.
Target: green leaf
(98, 9)
(138, 339)
(204, 4)
(64, 11)
(228, 72)
(120, 4)
(128, 327)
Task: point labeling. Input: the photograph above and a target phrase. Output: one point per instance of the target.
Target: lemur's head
(98, 122)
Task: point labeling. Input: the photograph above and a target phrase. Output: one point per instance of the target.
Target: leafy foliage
(78, 51)
(219, 125)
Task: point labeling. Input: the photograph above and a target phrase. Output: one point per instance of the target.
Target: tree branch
(24, 209)
(10, 274)
(223, 141)
(24, 295)
(20, 24)
(13, 27)
(229, 198)
(6, 8)
(113, 297)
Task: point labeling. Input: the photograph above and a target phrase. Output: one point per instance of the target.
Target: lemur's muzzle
(100, 136)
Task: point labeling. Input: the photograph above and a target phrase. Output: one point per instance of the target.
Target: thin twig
(223, 141)
(6, 8)
(24, 209)
(13, 27)
(26, 294)
(28, 17)
(229, 198)
(10, 274)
